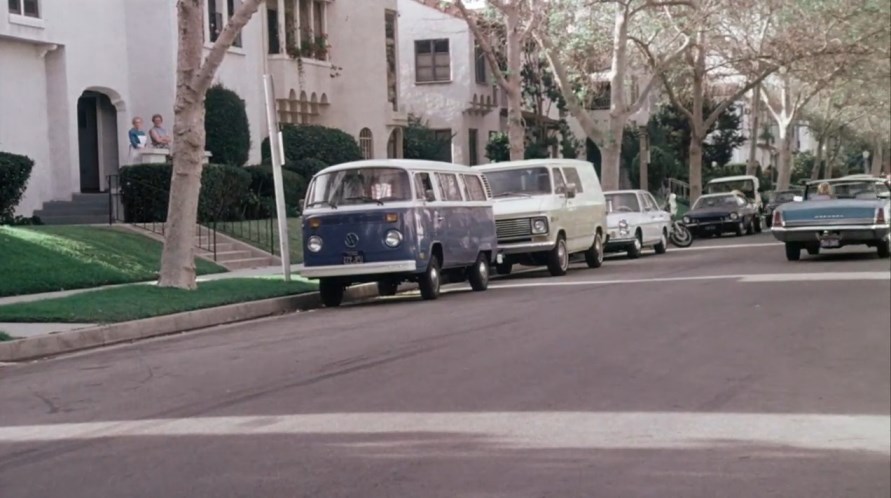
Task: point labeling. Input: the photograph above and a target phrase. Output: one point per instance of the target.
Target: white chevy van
(546, 210)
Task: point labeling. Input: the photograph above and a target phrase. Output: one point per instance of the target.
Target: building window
(432, 61)
(272, 37)
(28, 8)
(366, 143)
(218, 14)
(444, 137)
(473, 145)
(480, 68)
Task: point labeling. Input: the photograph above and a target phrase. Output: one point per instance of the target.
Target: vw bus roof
(733, 178)
(533, 163)
(406, 164)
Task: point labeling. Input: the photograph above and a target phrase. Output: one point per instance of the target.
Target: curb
(104, 335)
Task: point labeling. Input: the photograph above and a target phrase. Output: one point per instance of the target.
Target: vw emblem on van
(351, 240)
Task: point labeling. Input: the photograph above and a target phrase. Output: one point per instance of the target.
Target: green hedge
(15, 170)
(145, 192)
(328, 145)
(227, 127)
(262, 190)
(306, 168)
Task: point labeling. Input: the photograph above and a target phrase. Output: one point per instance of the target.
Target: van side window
(572, 176)
(559, 184)
(448, 187)
(422, 185)
(474, 188)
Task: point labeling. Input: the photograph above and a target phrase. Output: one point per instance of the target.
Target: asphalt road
(720, 371)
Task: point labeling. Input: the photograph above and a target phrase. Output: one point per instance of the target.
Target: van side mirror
(797, 198)
(429, 195)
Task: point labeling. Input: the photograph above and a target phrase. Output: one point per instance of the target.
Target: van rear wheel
(594, 255)
(558, 258)
(430, 280)
(479, 273)
(331, 292)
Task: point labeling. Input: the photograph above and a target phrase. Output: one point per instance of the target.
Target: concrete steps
(82, 209)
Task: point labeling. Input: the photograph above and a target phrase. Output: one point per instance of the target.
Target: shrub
(421, 142)
(227, 127)
(307, 168)
(329, 145)
(498, 148)
(15, 170)
(263, 190)
(145, 192)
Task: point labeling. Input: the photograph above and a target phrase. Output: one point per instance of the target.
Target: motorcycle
(680, 235)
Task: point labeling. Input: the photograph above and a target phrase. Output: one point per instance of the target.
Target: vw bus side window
(424, 187)
(448, 187)
(360, 186)
(572, 176)
(474, 188)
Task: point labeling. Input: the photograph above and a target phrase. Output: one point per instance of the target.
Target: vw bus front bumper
(352, 270)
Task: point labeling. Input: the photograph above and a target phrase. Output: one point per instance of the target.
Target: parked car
(717, 214)
(391, 221)
(747, 185)
(634, 220)
(776, 199)
(547, 210)
(855, 212)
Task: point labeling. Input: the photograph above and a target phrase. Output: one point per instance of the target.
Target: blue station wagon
(394, 221)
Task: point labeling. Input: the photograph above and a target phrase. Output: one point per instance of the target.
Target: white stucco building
(73, 76)
(446, 82)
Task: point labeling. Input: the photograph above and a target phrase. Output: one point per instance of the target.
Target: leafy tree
(228, 130)
(422, 142)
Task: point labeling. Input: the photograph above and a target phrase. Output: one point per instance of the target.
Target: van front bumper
(377, 268)
(525, 247)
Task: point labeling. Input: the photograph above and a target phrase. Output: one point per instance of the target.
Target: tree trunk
(644, 159)
(611, 157)
(516, 131)
(784, 158)
(695, 167)
(877, 158)
(818, 161)
(752, 163)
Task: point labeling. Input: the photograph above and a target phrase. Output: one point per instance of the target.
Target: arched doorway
(97, 139)
(394, 144)
(592, 154)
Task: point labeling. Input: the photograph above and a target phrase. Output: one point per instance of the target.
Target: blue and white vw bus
(392, 221)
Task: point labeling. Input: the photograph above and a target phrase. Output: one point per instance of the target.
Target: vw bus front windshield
(371, 185)
(520, 182)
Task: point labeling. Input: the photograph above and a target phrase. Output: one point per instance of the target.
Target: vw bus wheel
(883, 247)
(479, 273)
(331, 292)
(558, 258)
(635, 250)
(662, 246)
(429, 282)
(594, 255)
(387, 287)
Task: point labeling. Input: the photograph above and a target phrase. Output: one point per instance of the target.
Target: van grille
(511, 229)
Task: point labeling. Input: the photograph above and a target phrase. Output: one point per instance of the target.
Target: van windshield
(359, 186)
(520, 182)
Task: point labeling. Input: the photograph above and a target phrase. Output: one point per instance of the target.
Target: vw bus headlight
(539, 226)
(314, 243)
(393, 238)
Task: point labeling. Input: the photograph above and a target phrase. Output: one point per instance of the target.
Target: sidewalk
(22, 330)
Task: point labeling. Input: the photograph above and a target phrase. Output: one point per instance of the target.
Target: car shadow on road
(429, 464)
(836, 257)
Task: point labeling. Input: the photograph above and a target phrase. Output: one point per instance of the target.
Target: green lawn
(263, 234)
(4, 336)
(143, 301)
(53, 258)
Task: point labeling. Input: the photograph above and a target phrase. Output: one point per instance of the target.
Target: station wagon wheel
(331, 292)
(558, 258)
(594, 255)
(662, 246)
(793, 251)
(479, 273)
(429, 282)
(813, 249)
(636, 247)
(884, 247)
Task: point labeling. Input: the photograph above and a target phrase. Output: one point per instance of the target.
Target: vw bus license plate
(352, 258)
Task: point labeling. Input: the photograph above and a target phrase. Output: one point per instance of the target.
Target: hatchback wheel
(662, 246)
(636, 247)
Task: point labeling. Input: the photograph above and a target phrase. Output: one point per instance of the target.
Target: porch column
(282, 28)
